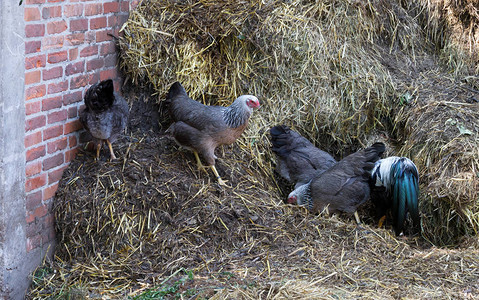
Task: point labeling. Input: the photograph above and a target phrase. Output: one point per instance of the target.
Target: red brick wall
(66, 50)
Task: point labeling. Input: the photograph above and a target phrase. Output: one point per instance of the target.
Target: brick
(33, 77)
(52, 132)
(75, 39)
(55, 175)
(110, 61)
(52, 12)
(35, 153)
(52, 73)
(33, 107)
(72, 126)
(33, 200)
(72, 141)
(52, 103)
(72, 98)
(34, 30)
(34, 1)
(125, 6)
(107, 48)
(34, 242)
(35, 92)
(94, 64)
(31, 14)
(75, 68)
(73, 54)
(71, 154)
(54, 88)
(34, 123)
(33, 47)
(108, 74)
(111, 7)
(83, 80)
(57, 116)
(55, 1)
(89, 51)
(93, 9)
(73, 10)
(72, 112)
(56, 27)
(97, 23)
(52, 162)
(102, 35)
(33, 139)
(35, 182)
(53, 42)
(113, 21)
(57, 145)
(49, 192)
(39, 212)
(33, 228)
(48, 233)
(37, 61)
(79, 25)
(57, 57)
(33, 168)
(90, 37)
(122, 19)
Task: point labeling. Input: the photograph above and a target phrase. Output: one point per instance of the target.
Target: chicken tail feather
(175, 90)
(405, 194)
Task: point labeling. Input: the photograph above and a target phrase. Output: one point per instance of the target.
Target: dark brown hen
(343, 187)
(202, 128)
(105, 115)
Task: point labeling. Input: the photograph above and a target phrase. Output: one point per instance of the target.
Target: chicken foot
(111, 149)
(220, 181)
(198, 162)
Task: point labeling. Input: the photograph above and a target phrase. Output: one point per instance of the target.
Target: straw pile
(344, 74)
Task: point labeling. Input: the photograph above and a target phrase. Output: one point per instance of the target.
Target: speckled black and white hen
(105, 115)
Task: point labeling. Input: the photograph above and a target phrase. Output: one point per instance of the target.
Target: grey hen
(201, 128)
(298, 160)
(343, 187)
(105, 115)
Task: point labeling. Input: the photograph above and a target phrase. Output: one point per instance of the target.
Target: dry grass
(344, 74)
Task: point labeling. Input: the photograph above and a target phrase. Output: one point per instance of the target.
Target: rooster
(393, 180)
(395, 187)
(105, 115)
(202, 128)
(341, 188)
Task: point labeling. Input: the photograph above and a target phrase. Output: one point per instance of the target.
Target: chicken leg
(111, 149)
(381, 221)
(220, 181)
(356, 216)
(198, 162)
(98, 148)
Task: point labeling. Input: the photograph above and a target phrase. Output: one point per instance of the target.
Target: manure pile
(151, 225)
(342, 73)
